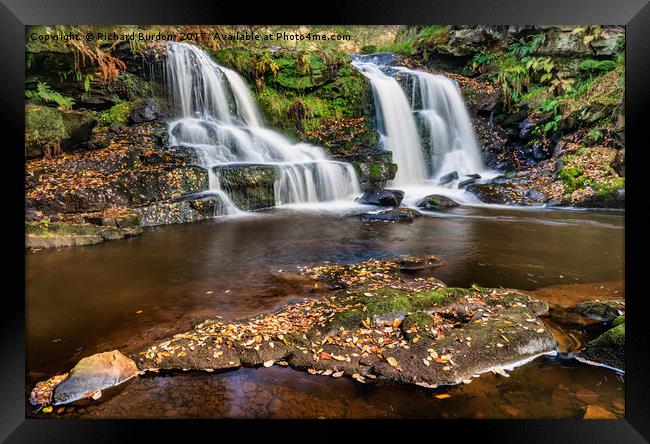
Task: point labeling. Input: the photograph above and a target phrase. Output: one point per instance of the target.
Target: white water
(219, 119)
(396, 125)
(442, 111)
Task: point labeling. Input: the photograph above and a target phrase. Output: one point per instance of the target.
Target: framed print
(259, 213)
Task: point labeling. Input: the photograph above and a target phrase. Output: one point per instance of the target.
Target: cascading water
(436, 102)
(396, 125)
(220, 121)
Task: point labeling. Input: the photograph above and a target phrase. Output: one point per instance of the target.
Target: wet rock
(603, 199)
(467, 182)
(376, 173)
(536, 196)
(55, 235)
(504, 193)
(540, 152)
(601, 311)
(382, 198)
(588, 313)
(146, 110)
(409, 264)
(93, 374)
(407, 215)
(526, 128)
(380, 326)
(437, 202)
(250, 187)
(447, 178)
(607, 349)
(189, 208)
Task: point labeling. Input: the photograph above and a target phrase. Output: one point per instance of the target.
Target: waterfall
(437, 103)
(396, 125)
(453, 144)
(219, 119)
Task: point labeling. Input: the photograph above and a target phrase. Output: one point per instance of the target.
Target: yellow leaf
(269, 363)
(392, 361)
(443, 396)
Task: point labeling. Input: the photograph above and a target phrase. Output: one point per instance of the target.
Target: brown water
(125, 294)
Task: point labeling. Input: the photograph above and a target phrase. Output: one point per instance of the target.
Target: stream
(126, 294)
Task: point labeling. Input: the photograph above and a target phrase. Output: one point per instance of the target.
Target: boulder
(588, 313)
(146, 111)
(603, 199)
(92, 375)
(536, 196)
(250, 187)
(467, 182)
(504, 193)
(447, 178)
(382, 198)
(437, 202)
(189, 208)
(395, 215)
(607, 349)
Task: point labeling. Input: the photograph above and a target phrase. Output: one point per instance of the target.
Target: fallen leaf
(443, 396)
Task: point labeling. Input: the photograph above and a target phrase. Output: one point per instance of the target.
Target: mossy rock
(608, 348)
(55, 127)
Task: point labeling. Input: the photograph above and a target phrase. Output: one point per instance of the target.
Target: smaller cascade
(396, 125)
(453, 144)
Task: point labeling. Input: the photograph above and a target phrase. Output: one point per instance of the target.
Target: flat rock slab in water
(588, 312)
(379, 326)
(93, 374)
(396, 215)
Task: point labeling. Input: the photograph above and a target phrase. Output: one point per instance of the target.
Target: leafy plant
(43, 93)
(590, 33)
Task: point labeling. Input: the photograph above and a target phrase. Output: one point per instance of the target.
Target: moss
(43, 125)
(117, 114)
(608, 348)
(572, 178)
(597, 66)
(45, 228)
(618, 321)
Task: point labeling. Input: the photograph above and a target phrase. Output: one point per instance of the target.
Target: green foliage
(43, 125)
(527, 46)
(572, 179)
(597, 66)
(116, 114)
(43, 93)
(595, 135)
(368, 49)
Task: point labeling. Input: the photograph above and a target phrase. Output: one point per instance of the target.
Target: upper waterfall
(219, 119)
(436, 103)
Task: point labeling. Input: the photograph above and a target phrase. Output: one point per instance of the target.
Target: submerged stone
(93, 374)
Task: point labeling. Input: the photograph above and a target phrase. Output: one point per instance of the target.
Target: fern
(43, 93)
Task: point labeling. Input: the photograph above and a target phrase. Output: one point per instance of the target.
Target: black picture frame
(16, 14)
